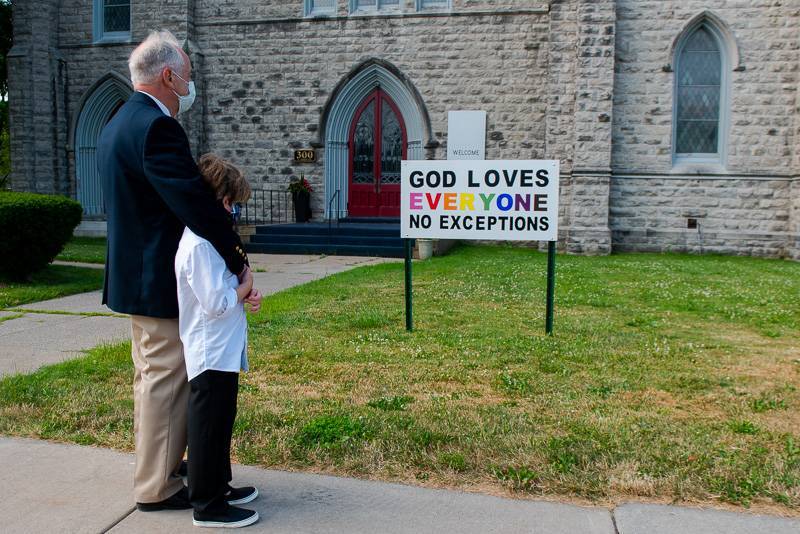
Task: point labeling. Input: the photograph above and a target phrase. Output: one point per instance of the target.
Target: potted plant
(301, 196)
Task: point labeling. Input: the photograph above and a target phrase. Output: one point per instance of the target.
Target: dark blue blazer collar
(141, 98)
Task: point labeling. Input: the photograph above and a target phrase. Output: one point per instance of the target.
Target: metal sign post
(551, 287)
(409, 310)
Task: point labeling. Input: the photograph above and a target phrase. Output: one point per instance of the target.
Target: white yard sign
(466, 135)
(493, 200)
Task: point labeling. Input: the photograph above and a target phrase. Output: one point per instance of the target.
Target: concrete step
(350, 237)
(351, 229)
(370, 220)
(335, 239)
(324, 248)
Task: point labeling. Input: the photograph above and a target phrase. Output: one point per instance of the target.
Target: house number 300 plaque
(305, 156)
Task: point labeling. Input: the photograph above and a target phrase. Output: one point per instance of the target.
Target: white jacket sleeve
(205, 272)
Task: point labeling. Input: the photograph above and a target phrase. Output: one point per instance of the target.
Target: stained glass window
(698, 95)
(111, 20)
(116, 16)
(364, 147)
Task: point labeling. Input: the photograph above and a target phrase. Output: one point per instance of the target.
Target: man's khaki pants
(160, 399)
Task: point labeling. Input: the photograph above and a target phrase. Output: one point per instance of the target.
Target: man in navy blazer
(152, 189)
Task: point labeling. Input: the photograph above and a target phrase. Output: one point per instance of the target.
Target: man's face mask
(185, 101)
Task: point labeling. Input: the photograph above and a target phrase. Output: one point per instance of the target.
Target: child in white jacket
(213, 329)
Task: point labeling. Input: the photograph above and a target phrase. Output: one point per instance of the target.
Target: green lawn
(85, 250)
(51, 282)
(669, 377)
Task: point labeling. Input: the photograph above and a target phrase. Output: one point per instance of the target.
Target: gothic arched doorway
(375, 81)
(100, 105)
(378, 143)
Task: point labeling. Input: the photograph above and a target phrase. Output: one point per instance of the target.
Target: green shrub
(33, 230)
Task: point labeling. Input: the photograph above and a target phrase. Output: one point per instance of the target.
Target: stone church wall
(588, 82)
(34, 69)
(268, 81)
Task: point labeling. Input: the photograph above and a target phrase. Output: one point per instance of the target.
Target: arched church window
(700, 96)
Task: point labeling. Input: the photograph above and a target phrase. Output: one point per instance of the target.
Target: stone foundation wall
(737, 215)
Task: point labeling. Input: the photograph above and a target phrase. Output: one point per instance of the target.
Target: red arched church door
(377, 145)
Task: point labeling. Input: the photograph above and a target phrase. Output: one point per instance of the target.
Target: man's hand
(254, 300)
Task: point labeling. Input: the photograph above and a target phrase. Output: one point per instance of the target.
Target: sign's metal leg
(409, 320)
(551, 286)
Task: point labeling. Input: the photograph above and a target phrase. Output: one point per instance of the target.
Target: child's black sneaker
(241, 495)
(233, 517)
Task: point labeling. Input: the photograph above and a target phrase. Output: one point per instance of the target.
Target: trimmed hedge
(33, 230)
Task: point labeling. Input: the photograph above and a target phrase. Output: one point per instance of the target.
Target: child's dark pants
(212, 411)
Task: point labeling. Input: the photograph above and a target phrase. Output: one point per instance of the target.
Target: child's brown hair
(225, 178)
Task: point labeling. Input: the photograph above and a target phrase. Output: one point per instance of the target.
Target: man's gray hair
(148, 60)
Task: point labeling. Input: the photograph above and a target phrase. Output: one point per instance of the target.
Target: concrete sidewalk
(36, 339)
(67, 488)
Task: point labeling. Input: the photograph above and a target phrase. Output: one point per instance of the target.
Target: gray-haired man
(152, 189)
